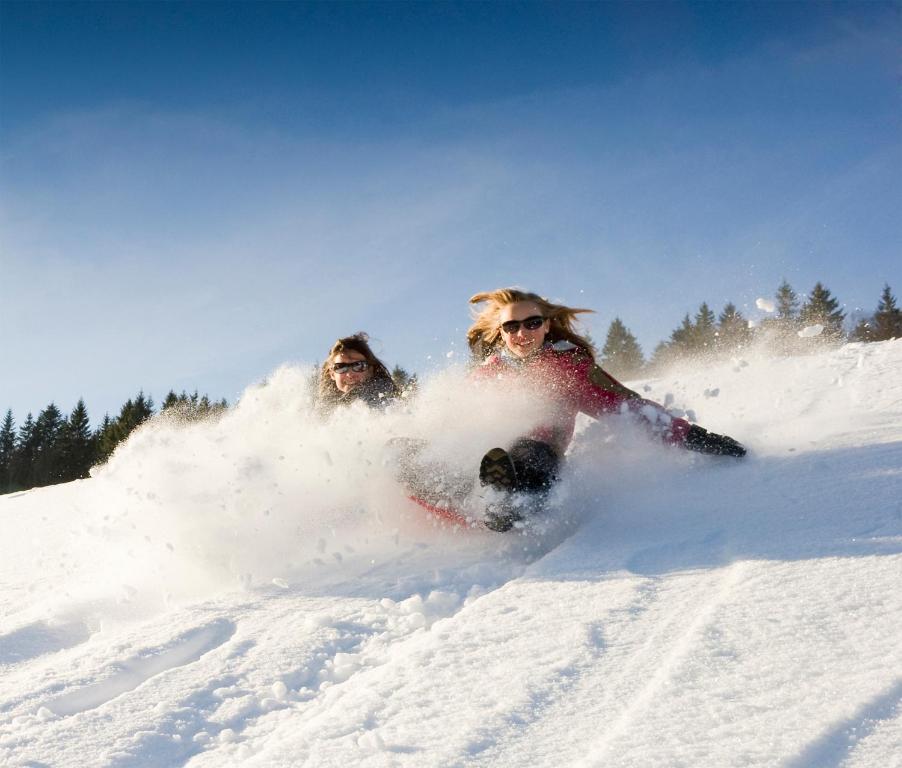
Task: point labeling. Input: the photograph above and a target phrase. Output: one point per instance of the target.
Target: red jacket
(571, 378)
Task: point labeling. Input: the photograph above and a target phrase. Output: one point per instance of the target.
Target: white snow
(810, 331)
(258, 591)
(765, 305)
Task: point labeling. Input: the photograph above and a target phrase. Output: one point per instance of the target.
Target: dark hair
(329, 394)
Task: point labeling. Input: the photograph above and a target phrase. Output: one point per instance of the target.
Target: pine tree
(662, 356)
(682, 340)
(23, 456)
(787, 302)
(621, 355)
(781, 330)
(863, 330)
(171, 401)
(705, 330)
(192, 408)
(888, 317)
(404, 381)
(732, 330)
(823, 309)
(143, 409)
(114, 431)
(7, 451)
(104, 439)
(46, 466)
(132, 414)
(680, 344)
(78, 445)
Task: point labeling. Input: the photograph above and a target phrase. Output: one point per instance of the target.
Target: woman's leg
(536, 464)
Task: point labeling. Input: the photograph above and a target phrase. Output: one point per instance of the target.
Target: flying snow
(259, 591)
(810, 331)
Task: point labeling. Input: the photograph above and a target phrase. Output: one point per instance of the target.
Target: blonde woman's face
(520, 339)
(344, 375)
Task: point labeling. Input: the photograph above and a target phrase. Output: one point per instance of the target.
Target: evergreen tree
(823, 309)
(781, 330)
(77, 445)
(621, 354)
(705, 330)
(680, 344)
(406, 382)
(113, 431)
(131, 416)
(682, 340)
(171, 401)
(143, 409)
(787, 302)
(193, 407)
(23, 456)
(662, 356)
(863, 330)
(888, 317)
(7, 451)
(46, 465)
(104, 441)
(732, 330)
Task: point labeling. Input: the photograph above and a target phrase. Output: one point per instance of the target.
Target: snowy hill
(258, 591)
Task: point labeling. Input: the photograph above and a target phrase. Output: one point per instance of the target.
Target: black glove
(501, 520)
(703, 441)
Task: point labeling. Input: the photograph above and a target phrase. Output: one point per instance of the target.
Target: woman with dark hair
(352, 373)
(522, 335)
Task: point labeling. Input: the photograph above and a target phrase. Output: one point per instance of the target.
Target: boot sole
(497, 470)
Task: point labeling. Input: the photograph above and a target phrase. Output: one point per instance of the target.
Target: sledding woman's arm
(606, 394)
(601, 393)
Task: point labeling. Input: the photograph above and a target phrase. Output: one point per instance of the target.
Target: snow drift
(258, 591)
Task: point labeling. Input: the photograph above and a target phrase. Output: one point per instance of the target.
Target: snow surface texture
(258, 591)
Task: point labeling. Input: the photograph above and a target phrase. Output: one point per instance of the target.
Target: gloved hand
(501, 519)
(703, 441)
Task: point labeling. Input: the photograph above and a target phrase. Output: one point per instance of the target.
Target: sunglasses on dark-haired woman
(358, 366)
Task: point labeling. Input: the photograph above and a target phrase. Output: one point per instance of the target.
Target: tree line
(795, 326)
(54, 448)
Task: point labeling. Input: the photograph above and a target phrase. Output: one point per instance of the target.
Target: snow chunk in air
(811, 331)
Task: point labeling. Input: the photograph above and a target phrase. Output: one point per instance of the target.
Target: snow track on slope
(639, 644)
(676, 620)
(227, 597)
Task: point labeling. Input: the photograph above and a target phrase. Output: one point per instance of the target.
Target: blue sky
(194, 193)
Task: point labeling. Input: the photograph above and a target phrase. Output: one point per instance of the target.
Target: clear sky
(194, 193)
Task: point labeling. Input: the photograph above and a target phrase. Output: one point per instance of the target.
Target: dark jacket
(378, 392)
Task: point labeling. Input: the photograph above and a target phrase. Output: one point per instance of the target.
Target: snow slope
(258, 591)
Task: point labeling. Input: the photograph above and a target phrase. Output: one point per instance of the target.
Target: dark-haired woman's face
(342, 370)
(521, 339)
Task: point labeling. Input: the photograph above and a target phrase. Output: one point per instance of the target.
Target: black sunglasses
(358, 366)
(530, 324)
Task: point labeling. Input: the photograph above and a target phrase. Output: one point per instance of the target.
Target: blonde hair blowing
(484, 336)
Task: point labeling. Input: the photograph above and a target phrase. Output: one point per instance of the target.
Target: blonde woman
(353, 373)
(521, 334)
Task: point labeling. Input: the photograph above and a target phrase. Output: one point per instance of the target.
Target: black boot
(496, 470)
(535, 466)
